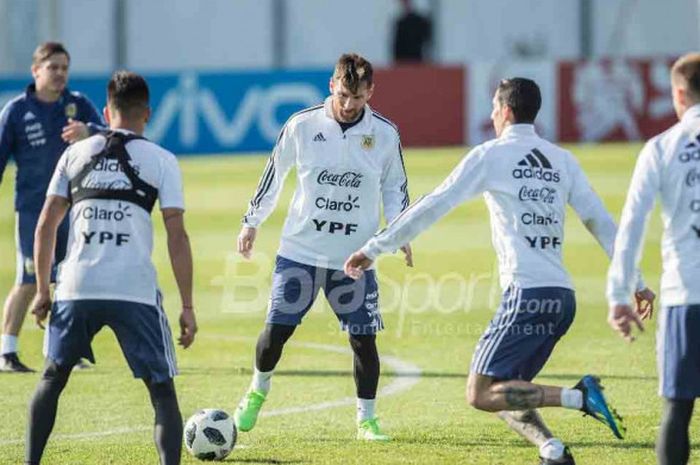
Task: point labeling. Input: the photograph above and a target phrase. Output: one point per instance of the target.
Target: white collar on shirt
(691, 113)
(518, 130)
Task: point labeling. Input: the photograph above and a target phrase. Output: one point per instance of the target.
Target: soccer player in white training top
(668, 167)
(527, 183)
(111, 182)
(348, 163)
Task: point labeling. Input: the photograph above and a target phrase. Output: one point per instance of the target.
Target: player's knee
(25, 291)
(475, 400)
(162, 390)
(275, 336)
(363, 344)
(477, 395)
(56, 374)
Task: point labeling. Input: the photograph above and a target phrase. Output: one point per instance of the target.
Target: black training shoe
(566, 459)
(9, 363)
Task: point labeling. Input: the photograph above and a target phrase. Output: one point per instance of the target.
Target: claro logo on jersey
(346, 179)
(535, 219)
(105, 214)
(536, 166)
(347, 205)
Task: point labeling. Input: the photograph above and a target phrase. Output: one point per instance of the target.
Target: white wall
(211, 34)
(320, 30)
(85, 26)
(643, 28)
(488, 30)
(168, 35)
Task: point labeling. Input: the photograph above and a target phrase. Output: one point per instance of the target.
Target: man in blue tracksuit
(35, 129)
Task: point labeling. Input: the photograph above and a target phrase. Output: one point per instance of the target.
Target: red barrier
(614, 100)
(426, 103)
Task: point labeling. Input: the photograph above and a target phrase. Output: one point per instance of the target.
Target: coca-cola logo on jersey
(544, 194)
(346, 179)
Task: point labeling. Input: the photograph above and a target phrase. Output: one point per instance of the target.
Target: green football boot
(248, 410)
(369, 430)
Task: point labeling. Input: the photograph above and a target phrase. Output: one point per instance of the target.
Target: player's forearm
(44, 245)
(181, 260)
(263, 204)
(623, 273)
(409, 224)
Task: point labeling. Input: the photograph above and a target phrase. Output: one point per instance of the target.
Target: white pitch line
(408, 376)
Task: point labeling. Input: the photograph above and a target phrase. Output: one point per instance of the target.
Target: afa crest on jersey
(71, 110)
(368, 142)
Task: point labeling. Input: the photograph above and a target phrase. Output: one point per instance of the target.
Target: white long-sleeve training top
(343, 178)
(527, 182)
(669, 165)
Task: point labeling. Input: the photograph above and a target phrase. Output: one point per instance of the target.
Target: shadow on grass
(262, 461)
(424, 374)
(481, 442)
(614, 445)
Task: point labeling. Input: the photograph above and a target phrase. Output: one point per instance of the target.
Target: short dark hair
(128, 94)
(352, 70)
(48, 49)
(686, 73)
(523, 97)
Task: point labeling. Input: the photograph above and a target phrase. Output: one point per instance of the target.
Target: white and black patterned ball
(210, 434)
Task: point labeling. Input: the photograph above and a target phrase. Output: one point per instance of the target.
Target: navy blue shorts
(678, 352)
(296, 285)
(142, 331)
(521, 336)
(25, 224)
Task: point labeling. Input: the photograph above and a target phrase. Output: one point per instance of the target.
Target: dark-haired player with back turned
(111, 182)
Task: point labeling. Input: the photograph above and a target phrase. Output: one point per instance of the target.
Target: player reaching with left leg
(348, 161)
(527, 183)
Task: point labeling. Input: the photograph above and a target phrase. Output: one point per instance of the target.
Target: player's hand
(356, 265)
(621, 318)
(40, 307)
(408, 255)
(188, 327)
(246, 239)
(645, 303)
(74, 131)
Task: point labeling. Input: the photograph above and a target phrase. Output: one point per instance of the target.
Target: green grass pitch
(433, 314)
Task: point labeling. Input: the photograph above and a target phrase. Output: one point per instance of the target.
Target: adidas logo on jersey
(319, 137)
(28, 116)
(536, 166)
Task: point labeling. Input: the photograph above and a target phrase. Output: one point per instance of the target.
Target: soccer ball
(210, 434)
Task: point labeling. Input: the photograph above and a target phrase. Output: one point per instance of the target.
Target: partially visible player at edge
(348, 162)
(527, 182)
(35, 129)
(112, 181)
(668, 166)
